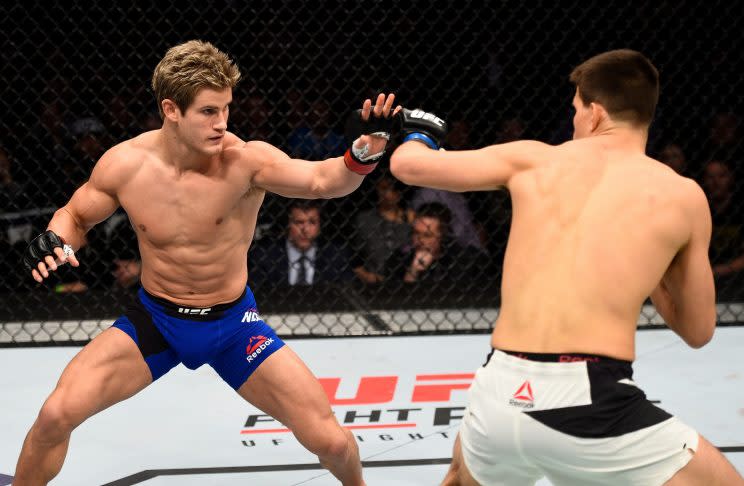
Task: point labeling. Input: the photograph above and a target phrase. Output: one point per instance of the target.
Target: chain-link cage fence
(76, 81)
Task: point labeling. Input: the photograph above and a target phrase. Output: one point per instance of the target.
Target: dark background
(485, 64)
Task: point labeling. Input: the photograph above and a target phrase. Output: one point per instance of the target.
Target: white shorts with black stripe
(577, 419)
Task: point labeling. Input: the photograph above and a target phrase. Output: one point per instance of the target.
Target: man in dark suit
(299, 258)
(433, 256)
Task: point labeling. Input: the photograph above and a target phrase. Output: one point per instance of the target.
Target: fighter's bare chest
(188, 210)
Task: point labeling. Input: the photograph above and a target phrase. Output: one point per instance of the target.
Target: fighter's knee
(55, 418)
(334, 444)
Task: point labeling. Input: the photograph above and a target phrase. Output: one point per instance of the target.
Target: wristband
(357, 166)
(425, 139)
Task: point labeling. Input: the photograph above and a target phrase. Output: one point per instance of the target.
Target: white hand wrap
(362, 153)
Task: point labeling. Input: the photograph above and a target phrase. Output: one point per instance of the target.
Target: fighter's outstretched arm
(333, 177)
(289, 177)
(416, 164)
(466, 170)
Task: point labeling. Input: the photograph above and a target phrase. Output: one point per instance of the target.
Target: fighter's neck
(182, 157)
(622, 137)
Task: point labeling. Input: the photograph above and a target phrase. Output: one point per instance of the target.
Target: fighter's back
(593, 232)
(597, 227)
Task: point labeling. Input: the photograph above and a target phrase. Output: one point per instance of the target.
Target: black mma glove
(423, 126)
(41, 247)
(356, 159)
(356, 127)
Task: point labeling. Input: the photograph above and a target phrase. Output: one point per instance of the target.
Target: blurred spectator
(458, 137)
(10, 190)
(510, 130)
(672, 155)
(113, 254)
(127, 272)
(150, 120)
(432, 256)
(85, 128)
(119, 119)
(109, 258)
(296, 109)
(462, 227)
(250, 119)
(15, 231)
(381, 230)
(316, 140)
(53, 134)
(71, 280)
(302, 257)
(45, 144)
(727, 240)
(18, 228)
(89, 142)
(724, 141)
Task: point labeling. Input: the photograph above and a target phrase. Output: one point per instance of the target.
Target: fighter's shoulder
(124, 159)
(578, 149)
(683, 190)
(252, 152)
(689, 191)
(527, 153)
(692, 200)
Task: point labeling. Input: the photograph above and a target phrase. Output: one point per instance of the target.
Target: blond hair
(189, 67)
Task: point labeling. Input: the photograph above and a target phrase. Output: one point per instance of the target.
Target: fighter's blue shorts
(231, 337)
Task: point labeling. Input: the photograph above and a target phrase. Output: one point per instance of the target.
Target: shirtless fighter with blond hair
(597, 228)
(192, 191)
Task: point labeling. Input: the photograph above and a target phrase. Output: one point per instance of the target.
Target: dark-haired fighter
(597, 227)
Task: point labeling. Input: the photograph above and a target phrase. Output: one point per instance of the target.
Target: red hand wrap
(355, 166)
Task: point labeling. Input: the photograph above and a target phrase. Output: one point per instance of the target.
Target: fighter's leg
(106, 371)
(708, 466)
(286, 389)
(458, 474)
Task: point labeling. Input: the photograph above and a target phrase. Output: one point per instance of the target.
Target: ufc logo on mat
(427, 116)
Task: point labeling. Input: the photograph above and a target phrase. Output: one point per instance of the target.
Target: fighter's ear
(170, 110)
(599, 114)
